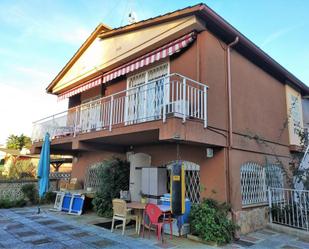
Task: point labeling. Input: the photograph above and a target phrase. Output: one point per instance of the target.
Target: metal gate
(289, 207)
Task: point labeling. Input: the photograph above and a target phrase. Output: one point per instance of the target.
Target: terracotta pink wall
(87, 159)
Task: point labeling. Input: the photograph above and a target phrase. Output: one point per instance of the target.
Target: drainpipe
(229, 90)
(230, 118)
(230, 123)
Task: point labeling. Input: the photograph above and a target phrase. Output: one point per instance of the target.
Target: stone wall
(252, 219)
(12, 188)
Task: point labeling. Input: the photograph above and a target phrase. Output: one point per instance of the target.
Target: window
(253, 187)
(274, 179)
(145, 94)
(192, 180)
(255, 180)
(274, 176)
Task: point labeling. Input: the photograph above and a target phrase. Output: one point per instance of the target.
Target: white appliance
(154, 183)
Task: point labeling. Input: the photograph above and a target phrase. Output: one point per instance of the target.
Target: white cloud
(56, 28)
(278, 34)
(21, 106)
(22, 102)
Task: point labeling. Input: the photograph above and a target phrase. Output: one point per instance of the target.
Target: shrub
(209, 221)
(49, 197)
(30, 192)
(114, 176)
(21, 169)
(7, 203)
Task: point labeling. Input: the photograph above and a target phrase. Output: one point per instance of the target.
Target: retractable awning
(151, 57)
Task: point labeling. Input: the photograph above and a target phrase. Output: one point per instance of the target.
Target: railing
(173, 94)
(289, 207)
(66, 176)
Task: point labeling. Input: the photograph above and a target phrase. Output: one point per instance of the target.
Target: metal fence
(172, 94)
(289, 207)
(66, 176)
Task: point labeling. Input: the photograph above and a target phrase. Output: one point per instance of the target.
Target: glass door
(145, 95)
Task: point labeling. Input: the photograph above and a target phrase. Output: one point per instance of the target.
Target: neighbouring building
(182, 86)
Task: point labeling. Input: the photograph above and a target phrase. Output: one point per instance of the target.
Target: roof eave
(230, 33)
(99, 29)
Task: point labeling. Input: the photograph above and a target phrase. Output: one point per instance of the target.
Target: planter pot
(197, 239)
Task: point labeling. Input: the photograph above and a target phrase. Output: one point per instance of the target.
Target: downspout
(229, 91)
(230, 123)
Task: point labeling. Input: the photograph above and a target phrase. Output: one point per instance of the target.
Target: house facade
(182, 86)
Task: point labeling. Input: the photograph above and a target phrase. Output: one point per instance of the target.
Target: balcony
(173, 95)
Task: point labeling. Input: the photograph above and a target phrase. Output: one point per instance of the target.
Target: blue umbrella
(44, 168)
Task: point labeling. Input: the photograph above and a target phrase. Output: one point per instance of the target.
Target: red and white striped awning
(81, 88)
(156, 55)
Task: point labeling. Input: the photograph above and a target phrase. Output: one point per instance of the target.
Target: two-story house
(182, 86)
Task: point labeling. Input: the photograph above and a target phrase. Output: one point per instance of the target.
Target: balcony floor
(119, 138)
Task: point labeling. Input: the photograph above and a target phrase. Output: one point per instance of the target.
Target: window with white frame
(145, 94)
(253, 187)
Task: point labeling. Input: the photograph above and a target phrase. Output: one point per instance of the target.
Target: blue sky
(39, 37)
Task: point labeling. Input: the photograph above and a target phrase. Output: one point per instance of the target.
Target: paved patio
(23, 228)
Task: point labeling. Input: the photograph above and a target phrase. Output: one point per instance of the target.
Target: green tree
(18, 142)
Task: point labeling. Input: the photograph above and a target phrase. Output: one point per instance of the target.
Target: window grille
(274, 176)
(253, 187)
(274, 179)
(92, 179)
(192, 180)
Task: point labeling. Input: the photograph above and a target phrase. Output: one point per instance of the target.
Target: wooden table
(139, 208)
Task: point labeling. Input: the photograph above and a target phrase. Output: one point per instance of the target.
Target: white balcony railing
(174, 95)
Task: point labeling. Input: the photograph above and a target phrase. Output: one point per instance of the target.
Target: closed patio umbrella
(44, 169)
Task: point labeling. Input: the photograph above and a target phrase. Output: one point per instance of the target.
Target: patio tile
(35, 217)
(51, 245)
(232, 246)
(18, 245)
(24, 212)
(26, 233)
(72, 242)
(81, 234)
(267, 232)
(4, 221)
(269, 243)
(63, 228)
(49, 222)
(305, 240)
(103, 243)
(165, 245)
(41, 241)
(297, 243)
(289, 247)
(243, 243)
(259, 235)
(250, 238)
(14, 226)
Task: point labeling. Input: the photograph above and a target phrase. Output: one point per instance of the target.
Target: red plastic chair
(155, 219)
